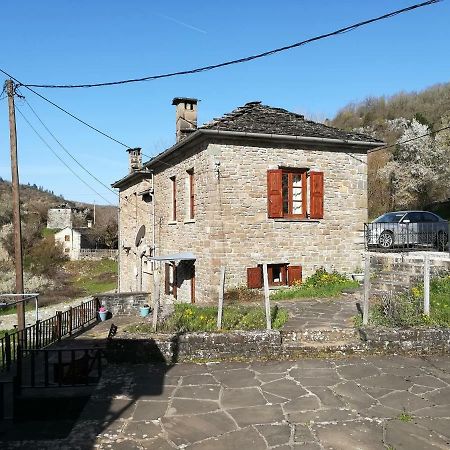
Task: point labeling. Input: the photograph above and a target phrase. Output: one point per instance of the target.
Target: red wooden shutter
(294, 274)
(275, 193)
(254, 278)
(167, 278)
(316, 197)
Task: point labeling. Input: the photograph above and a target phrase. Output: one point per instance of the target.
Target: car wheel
(441, 240)
(386, 239)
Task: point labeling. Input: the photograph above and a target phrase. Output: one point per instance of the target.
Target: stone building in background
(258, 185)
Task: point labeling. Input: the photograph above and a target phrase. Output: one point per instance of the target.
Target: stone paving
(373, 402)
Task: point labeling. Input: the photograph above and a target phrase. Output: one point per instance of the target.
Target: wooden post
(18, 258)
(221, 292)
(426, 285)
(58, 325)
(266, 297)
(155, 297)
(366, 288)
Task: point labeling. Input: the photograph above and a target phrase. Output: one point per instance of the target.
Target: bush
(406, 310)
(45, 257)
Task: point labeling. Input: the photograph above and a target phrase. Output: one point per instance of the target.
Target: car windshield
(390, 217)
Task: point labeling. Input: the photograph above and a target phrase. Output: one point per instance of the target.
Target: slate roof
(254, 117)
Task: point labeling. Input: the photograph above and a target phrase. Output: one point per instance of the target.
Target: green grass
(188, 318)
(93, 277)
(321, 284)
(48, 232)
(406, 310)
(29, 306)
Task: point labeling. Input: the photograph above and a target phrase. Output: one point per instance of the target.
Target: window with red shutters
(287, 194)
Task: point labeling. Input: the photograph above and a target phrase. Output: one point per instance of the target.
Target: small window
(277, 274)
(67, 237)
(173, 182)
(66, 250)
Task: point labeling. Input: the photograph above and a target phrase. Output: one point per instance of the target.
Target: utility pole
(18, 259)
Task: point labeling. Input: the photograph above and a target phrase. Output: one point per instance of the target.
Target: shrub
(45, 257)
(406, 310)
(319, 285)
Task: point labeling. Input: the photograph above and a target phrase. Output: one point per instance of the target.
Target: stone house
(73, 240)
(258, 185)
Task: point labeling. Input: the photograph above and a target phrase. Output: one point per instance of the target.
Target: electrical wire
(67, 151)
(60, 159)
(239, 60)
(65, 111)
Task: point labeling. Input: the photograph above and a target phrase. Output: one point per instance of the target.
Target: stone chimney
(186, 116)
(135, 159)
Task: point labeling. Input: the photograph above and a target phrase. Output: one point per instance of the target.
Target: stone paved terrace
(374, 402)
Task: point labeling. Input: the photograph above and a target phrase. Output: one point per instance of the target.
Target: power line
(240, 60)
(68, 153)
(64, 110)
(60, 159)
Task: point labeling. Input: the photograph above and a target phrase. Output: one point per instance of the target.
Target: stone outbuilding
(258, 185)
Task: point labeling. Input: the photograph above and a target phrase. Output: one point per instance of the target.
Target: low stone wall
(399, 273)
(172, 348)
(124, 303)
(420, 340)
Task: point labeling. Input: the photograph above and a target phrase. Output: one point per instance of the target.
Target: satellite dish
(140, 235)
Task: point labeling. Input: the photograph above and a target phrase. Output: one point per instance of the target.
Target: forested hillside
(415, 171)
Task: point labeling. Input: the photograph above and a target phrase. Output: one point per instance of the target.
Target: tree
(419, 167)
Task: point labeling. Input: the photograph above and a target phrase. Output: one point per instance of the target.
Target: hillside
(412, 174)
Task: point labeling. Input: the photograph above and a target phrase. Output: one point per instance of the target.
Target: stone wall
(194, 346)
(58, 218)
(124, 303)
(231, 227)
(397, 273)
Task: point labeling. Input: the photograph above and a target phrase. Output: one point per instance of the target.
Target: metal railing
(58, 368)
(46, 332)
(388, 236)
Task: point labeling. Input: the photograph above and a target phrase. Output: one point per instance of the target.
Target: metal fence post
(426, 285)
(58, 325)
(366, 288)
(266, 297)
(7, 351)
(70, 321)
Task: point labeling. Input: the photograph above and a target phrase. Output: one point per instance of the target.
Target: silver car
(408, 229)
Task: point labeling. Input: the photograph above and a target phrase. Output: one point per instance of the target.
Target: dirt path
(8, 321)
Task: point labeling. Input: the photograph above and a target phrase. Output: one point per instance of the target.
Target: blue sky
(94, 41)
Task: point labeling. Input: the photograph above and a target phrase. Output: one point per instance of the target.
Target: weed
(405, 416)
